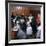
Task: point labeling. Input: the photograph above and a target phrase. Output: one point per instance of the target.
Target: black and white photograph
(25, 22)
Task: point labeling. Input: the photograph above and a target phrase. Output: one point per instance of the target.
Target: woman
(29, 30)
(38, 25)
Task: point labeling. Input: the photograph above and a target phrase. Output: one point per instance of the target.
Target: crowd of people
(26, 27)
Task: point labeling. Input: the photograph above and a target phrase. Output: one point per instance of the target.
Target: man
(29, 28)
(38, 25)
(21, 29)
(23, 24)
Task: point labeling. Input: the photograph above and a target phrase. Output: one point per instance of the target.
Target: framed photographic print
(25, 22)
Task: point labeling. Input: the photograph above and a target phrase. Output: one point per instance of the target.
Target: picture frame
(13, 3)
